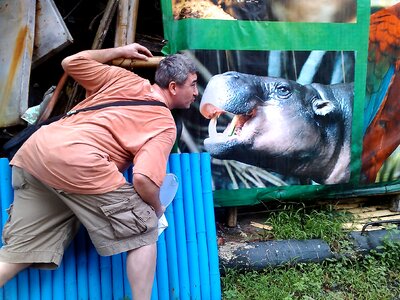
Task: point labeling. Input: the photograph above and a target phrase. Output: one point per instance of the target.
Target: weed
(325, 224)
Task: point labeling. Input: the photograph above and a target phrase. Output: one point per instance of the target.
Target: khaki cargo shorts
(42, 222)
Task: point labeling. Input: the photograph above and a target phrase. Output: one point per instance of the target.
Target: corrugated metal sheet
(30, 32)
(51, 34)
(17, 21)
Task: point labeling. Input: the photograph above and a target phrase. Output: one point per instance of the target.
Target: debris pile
(34, 85)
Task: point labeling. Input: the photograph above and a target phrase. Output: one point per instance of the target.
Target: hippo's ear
(322, 107)
(321, 103)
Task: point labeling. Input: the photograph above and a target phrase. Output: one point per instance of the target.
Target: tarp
(317, 104)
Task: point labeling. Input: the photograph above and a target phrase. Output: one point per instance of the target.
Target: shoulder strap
(117, 103)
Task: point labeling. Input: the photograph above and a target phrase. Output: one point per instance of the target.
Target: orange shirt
(86, 153)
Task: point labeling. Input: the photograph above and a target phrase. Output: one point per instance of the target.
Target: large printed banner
(299, 98)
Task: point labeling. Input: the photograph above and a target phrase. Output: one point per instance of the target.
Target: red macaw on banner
(382, 110)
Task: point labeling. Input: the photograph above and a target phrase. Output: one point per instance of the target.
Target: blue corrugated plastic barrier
(187, 261)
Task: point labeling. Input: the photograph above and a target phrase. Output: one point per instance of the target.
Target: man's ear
(172, 87)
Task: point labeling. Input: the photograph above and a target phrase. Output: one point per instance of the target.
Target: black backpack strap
(12, 146)
(117, 103)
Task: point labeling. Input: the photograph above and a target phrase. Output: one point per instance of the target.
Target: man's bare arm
(134, 50)
(149, 192)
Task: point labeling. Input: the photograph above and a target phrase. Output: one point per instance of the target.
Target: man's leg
(140, 267)
(38, 227)
(112, 219)
(9, 270)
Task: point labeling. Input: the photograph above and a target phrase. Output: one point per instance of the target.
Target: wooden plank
(346, 206)
(364, 215)
(359, 227)
(377, 214)
(386, 218)
(339, 202)
(360, 223)
(260, 226)
(359, 210)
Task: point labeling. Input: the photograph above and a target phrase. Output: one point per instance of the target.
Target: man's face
(186, 93)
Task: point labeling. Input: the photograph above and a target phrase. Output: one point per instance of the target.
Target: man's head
(177, 74)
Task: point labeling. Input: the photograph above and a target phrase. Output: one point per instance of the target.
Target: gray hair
(175, 67)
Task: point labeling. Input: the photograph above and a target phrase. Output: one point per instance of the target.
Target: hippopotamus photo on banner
(281, 125)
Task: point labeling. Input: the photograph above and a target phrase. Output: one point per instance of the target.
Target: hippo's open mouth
(234, 132)
(233, 129)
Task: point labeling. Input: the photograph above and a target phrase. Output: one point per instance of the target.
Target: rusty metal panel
(17, 21)
(51, 33)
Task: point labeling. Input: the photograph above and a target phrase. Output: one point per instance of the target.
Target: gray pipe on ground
(259, 255)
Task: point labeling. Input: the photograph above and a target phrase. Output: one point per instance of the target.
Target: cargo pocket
(129, 217)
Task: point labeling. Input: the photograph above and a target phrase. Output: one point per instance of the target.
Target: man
(69, 172)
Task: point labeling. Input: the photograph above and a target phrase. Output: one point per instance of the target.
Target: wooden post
(232, 217)
(126, 22)
(125, 34)
(395, 203)
(53, 100)
(132, 20)
(122, 24)
(137, 63)
(97, 44)
(105, 23)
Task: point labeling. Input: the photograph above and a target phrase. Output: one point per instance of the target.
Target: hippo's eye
(283, 90)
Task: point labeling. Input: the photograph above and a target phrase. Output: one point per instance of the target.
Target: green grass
(375, 276)
(303, 223)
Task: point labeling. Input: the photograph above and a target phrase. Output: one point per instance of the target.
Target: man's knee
(9, 270)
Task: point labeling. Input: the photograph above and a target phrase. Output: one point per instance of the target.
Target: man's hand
(160, 213)
(149, 192)
(135, 51)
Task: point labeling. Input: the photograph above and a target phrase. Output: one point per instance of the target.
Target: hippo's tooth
(230, 130)
(212, 127)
